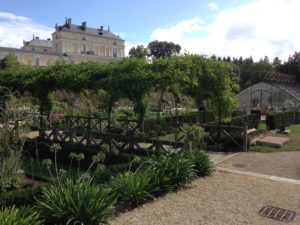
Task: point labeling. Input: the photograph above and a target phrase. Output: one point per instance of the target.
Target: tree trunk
(162, 93)
(41, 113)
(219, 125)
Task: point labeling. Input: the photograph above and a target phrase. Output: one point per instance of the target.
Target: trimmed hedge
(252, 121)
(281, 119)
(168, 123)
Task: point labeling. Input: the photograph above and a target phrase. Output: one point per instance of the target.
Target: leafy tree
(292, 66)
(139, 52)
(170, 75)
(213, 57)
(43, 82)
(10, 62)
(137, 81)
(108, 80)
(228, 59)
(253, 72)
(163, 48)
(276, 63)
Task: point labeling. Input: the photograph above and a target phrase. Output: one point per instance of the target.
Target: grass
(262, 125)
(292, 145)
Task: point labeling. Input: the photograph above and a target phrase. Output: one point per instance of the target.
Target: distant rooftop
(39, 42)
(83, 29)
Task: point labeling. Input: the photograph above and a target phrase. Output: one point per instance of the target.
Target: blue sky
(237, 28)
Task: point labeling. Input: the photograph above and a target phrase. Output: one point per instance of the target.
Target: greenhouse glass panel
(270, 96)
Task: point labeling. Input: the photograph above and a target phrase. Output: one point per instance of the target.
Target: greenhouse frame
(274, 94)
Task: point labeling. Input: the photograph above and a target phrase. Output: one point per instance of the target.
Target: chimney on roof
(101, 30)
(108, 29)
(69, 22)
(83, 25)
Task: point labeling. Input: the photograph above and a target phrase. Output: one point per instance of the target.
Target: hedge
(281, 119)
(168, 123)
(252, 121)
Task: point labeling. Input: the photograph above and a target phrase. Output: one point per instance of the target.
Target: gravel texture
(221, 199)
(281, 164)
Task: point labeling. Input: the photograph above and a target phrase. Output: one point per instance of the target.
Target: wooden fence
(126, 133)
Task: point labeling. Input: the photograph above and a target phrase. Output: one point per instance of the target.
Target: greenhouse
(270, 96)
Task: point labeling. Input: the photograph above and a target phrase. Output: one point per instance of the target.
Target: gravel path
(221, 199)
(281, 164)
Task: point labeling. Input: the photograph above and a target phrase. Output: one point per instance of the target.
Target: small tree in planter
(195, 138)
(284, 121)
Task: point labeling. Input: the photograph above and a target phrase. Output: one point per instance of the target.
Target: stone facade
(74, 43)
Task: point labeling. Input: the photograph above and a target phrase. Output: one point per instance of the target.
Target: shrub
(25, 196)
(252, 120)
(195, 137)
(171, 171)
(281, 120)
(76, 203)
(21, 216)
(167, 123)
(11, 183)
(132, 189)
(202, 164)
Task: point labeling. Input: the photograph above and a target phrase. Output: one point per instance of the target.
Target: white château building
(74, 43)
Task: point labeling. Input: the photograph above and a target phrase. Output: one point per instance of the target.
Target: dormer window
(32, 49)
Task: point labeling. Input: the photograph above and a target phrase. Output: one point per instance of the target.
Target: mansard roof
(83, 29)
(39, 42)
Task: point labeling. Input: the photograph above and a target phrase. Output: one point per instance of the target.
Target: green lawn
(292, 145)
(262, 125)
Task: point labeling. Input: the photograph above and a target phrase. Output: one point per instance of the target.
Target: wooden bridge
(121, 133)
(126, 134)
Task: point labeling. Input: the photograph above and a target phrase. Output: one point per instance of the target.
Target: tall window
(37, 61)
(84, 47)
(115, 52)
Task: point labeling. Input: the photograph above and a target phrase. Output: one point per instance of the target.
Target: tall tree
(10, 62)
(139, 52)
(137, 80)
(292, 66)
(276, 63)
(163, 49)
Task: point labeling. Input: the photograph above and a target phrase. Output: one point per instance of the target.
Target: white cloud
(178, 31)
(213, 6)
(14, 29)
(258, 28)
